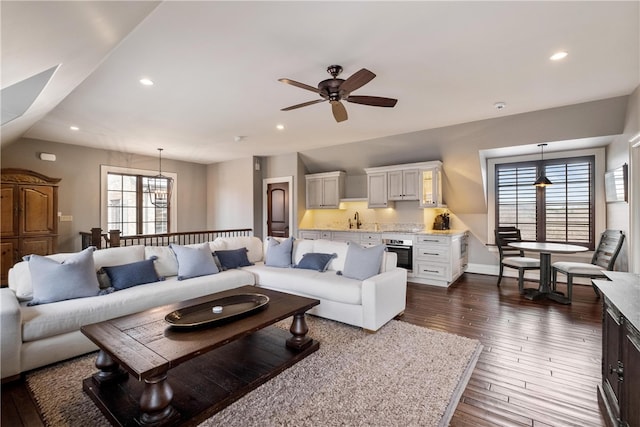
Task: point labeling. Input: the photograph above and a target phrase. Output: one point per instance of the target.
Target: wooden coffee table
(152, 374)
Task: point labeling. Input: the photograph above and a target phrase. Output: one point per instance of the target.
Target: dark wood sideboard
(619, 393)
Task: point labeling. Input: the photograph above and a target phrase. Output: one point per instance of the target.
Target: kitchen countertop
(624, 292)
(363, 230)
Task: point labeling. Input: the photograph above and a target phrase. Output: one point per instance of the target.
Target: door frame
(265, 184)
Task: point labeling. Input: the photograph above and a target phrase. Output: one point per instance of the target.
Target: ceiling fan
(335, 90)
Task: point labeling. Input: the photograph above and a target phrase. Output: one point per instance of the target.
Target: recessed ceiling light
(74, 128)
(500, 105)
(147, 82)
(558, 55)
(280, 127)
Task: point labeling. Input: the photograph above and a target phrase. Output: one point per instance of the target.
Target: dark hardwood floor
(539, 367)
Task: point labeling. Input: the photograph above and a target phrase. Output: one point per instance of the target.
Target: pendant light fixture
(159, 186)
(542, 180)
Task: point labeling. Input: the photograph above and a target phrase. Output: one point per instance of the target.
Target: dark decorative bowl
(221, 310)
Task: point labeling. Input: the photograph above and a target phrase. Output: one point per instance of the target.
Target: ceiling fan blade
(356, 81)
(304, 104)
(339, 112)
(300, 85)
(376, 101)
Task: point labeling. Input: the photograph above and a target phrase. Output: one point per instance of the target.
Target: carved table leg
(110, 371)
(299, 340)
(155, 401)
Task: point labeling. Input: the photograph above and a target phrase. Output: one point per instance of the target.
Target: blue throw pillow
(128, 275)
(233, 258)
(53, 281)
(362, 263)
(315, 261)
(279, 253)
(194, 261)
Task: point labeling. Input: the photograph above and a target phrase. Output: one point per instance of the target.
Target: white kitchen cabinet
(315, 234)
(430, 190)
(403, 184)
(377, 190)
(439, 259)
(324, 190)
(412, 181)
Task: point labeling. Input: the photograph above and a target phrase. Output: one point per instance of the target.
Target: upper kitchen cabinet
(377, 190)
(431, 187)
(412, 181)
(403, 184)
(324, 190)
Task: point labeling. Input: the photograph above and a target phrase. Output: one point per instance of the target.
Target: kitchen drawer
(346, 236)
(311, 235)
(371, 239)
(432, 270)
(432, 253)
(428, 239)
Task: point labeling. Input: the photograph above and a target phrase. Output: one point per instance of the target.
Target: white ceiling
(216, 64)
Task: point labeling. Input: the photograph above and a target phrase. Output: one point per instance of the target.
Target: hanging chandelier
(542, 180)
(159, 186)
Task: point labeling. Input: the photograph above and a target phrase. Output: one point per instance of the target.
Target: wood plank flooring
(539, 367)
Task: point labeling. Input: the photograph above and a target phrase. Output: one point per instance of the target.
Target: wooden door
(8, 256)
(9, 213)
(278, 209)
(37, 210)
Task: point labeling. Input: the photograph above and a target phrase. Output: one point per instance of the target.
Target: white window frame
(104, 172)
(600, 220)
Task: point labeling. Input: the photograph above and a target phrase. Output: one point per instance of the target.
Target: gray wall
(230, 194)
(79, 189)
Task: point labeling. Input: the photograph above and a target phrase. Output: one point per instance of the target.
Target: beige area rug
(402, 375)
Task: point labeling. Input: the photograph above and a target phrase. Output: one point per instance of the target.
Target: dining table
(545, 250)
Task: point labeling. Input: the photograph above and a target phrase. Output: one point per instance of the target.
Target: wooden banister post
(96, 237)
(114, 238)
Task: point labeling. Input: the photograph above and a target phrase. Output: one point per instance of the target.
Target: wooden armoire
(29, 206)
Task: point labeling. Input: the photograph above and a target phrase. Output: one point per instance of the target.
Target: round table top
(548, 247)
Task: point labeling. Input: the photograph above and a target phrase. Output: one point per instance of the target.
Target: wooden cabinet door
(330, 192)
(611, 334)
(8, 255)
(36, 245)
(410, 184)
(631, 384)
(314, 193)
(37, 210)
(9, 213)
(395, 186)
(377, 190)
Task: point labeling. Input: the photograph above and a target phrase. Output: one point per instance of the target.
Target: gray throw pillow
(279, 253)
(362, 263)
(194, 261)
(53, 281)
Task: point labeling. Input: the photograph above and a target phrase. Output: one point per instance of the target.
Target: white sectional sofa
(35, 336)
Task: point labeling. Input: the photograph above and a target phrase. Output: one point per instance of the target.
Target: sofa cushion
(132, 274)
(166, 263)
(194, 261)
(73, 278)
(118, 256)
(278, 252)
(331, 247)
(233, 258)
(315, 261)
(253, 244)
(362, 263)
(42, 321)
(311, 283)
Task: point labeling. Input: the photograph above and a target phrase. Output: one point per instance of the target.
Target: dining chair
(604, 258)
(513, 257)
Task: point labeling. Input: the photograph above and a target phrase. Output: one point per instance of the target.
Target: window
(126, 205)
(563, 212)
(129, 207)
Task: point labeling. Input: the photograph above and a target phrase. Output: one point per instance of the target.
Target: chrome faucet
(356, 217)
